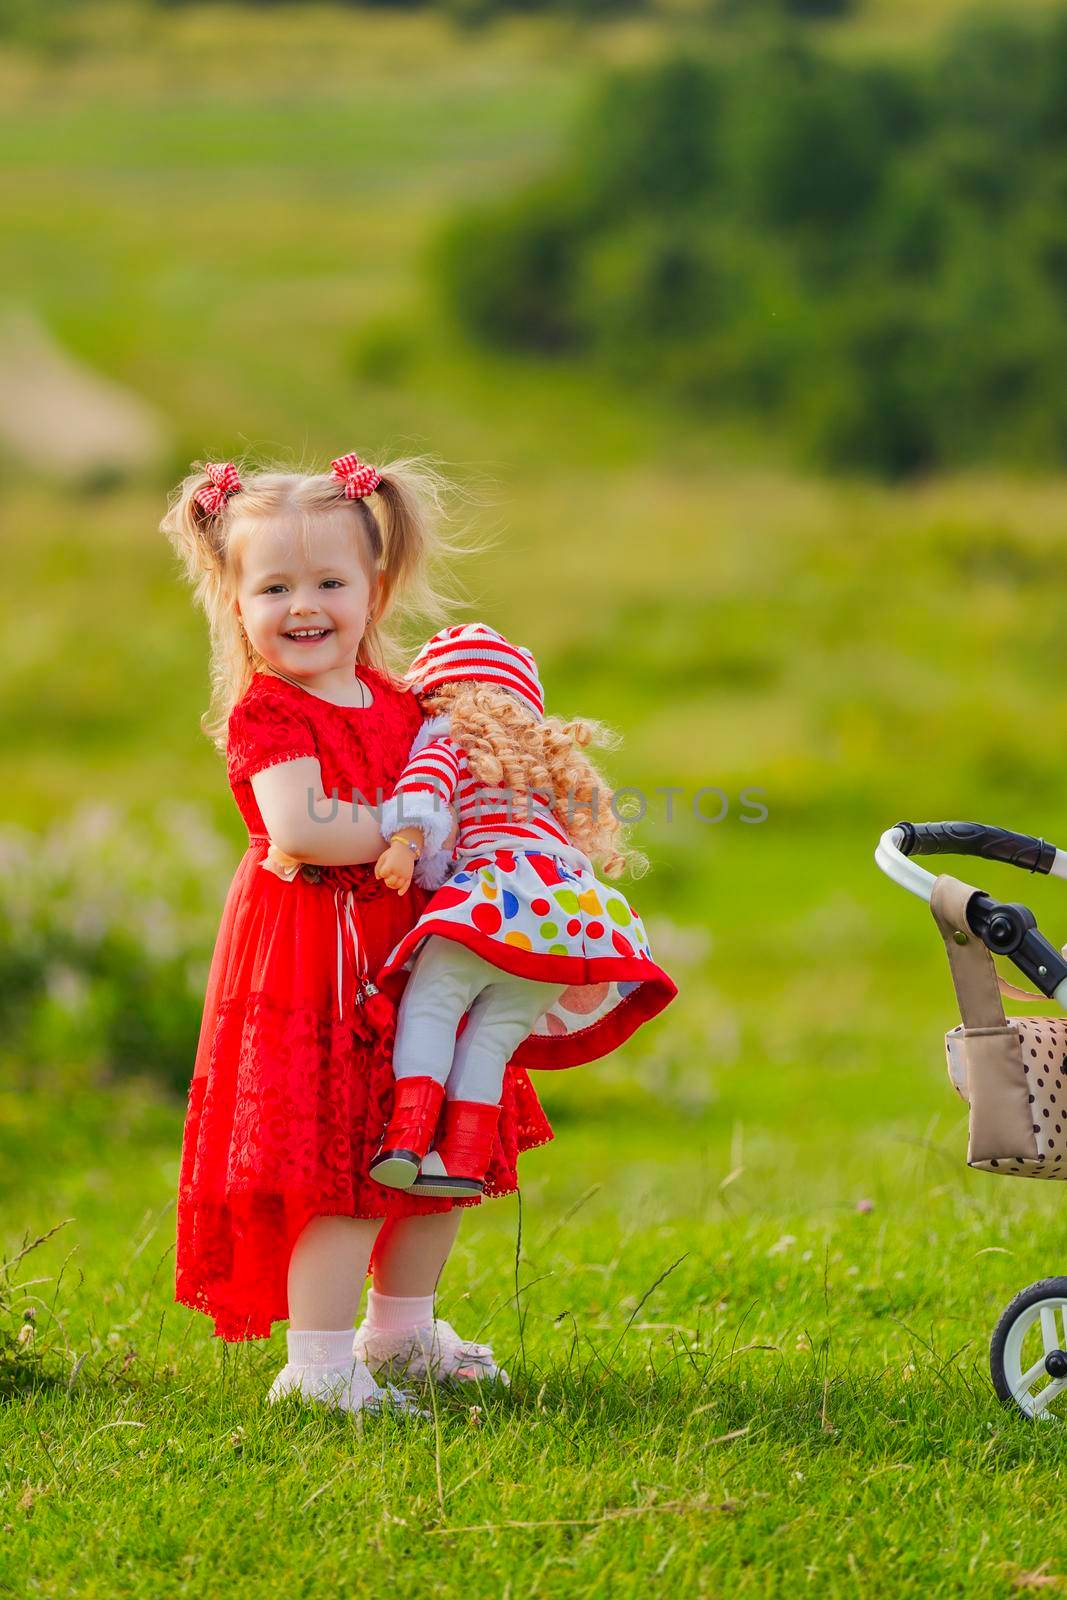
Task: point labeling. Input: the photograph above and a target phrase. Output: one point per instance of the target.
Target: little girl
(293, 1083)
(541, 962)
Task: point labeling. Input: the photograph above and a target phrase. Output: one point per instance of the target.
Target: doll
(540, 962)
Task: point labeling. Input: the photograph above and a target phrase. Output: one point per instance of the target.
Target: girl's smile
(309, 635)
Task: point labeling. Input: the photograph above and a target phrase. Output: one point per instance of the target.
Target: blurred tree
(810, 149)
(801, 10)
(649, 142)
(510, 269)
(871, 254)
(40, 26)
(467, 13)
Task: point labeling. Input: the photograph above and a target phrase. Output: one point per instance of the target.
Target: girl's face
(305, 613)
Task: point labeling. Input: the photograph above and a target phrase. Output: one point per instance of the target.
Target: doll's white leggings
(446, 979)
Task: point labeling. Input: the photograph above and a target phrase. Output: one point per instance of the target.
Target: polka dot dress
(535, 915)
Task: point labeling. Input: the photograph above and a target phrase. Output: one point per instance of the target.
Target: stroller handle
(906, 839)
(1007, 929)
(976, 839)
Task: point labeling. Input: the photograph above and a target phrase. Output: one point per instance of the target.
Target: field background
(229, 213)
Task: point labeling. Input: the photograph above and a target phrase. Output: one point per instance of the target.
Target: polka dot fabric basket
(1030, 1055)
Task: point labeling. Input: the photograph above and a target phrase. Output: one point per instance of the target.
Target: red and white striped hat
(470, 650)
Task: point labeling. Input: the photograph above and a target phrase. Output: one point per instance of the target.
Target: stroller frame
(1026, 1375)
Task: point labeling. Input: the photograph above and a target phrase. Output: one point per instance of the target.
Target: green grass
(801, 1403)
(802, 1399)
(726, 1378)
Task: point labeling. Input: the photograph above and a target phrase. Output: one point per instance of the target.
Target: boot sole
(396, 1169)
(456, 1188)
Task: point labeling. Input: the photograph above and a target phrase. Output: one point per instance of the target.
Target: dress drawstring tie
(344, 905)
(348, 933)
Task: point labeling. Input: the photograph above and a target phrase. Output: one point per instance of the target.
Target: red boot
(416, 1107)
(459, 1160)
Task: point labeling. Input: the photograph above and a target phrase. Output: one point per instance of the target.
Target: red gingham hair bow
(224, 482)
(357, 477)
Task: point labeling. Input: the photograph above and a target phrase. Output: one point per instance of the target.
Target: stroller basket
(1011, 1071)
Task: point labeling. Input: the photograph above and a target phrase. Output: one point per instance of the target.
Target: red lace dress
(292, 1085)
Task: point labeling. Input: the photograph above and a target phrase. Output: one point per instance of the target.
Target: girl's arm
(305, 823)
(309, 826)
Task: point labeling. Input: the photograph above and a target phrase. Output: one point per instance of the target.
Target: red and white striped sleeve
(423, 795)
(434, 770)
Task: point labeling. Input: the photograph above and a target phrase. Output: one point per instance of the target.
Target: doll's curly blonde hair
(507, 747)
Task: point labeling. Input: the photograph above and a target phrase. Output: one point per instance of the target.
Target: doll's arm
(396, 864)
(420, 812)
(424, 793)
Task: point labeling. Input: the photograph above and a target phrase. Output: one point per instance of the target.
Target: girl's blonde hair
(399, 539)
(509, 748)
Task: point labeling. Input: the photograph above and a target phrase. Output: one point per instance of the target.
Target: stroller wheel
(1028, 1352)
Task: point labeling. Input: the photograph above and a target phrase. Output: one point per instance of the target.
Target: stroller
(1011, 1071)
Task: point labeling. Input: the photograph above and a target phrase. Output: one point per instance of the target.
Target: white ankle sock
(314, 1347)
(395, 1313)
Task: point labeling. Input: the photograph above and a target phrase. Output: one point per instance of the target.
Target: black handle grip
(977, 839)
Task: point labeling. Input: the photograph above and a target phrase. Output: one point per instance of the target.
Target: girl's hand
(395, 866)
(281, 864)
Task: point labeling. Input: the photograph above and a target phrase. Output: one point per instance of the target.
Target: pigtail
(199, 539)
(195, 533)
(409, 516)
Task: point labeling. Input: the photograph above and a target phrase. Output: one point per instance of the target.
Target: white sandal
(349, 1388)
(417, 1352)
